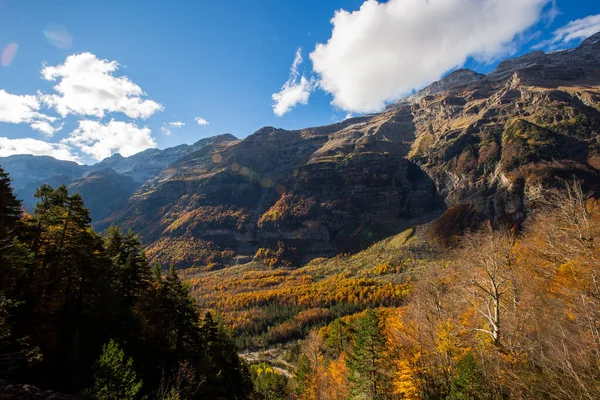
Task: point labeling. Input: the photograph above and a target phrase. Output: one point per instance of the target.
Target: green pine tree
(469, 383)
(114, 376)
(14, 255)
(268, 383)
(228, 376)
(113, 242)
(338, 338)
(10, 213)
(301, 376)
(14, 258)
(366, 363)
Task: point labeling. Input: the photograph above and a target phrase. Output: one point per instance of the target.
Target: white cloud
(24, 109)
(552, 13)
(17, 109)
(102, 140)
(87, 86)
(201, 121)
(296, 90)
(385, 50)
(45, 128)
(575, 30)
(61, 151)
(167, 128)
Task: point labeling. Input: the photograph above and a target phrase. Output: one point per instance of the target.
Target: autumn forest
(506, 312)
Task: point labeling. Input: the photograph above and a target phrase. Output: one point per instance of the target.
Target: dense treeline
(511, 315)
(86, 314)
(275, 306)
(266, 306)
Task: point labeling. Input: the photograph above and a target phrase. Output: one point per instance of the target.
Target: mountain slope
(30, 172)
(104, 191)
(148, 163)
(497, 140)
(489, 141)
(105, 186)
(319, 191)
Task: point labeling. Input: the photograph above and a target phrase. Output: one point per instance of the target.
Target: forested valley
(445, 247)
(493, 312)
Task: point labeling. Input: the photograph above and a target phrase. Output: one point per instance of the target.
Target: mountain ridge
(487, 143)
(28, 172)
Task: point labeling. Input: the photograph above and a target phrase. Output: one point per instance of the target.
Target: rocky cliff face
(456, 79)
(496, 141)
(490, 141)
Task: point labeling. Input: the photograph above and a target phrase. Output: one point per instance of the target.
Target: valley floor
(267, 307)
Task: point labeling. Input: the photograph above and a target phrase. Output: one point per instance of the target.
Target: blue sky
(222, 61)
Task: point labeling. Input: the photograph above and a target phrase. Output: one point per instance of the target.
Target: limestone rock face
(456, 79)
(491, 141)
(532, 121)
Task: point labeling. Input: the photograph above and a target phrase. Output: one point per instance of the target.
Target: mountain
(485, 142)
(104, 191)
(148, 163)
(319, 191)
(496, 140)
(469, 147)
(105, 186)
(30, 172)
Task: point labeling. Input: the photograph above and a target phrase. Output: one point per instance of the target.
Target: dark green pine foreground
(85, 314)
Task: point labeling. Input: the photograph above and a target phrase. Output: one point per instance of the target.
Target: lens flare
(217, 158)
(58, 36)
(267, 183)
(280, 189)
(9, 53)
